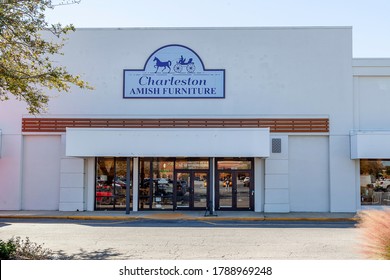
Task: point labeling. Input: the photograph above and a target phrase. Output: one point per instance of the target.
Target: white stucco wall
(277, 184)
(270, 72)
(309, 173)
(371, 93)
(343, 184)
(41, 172)
(10, 172)
(173, 142)
(11, 153)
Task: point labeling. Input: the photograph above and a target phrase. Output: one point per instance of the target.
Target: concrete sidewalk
(179, 215)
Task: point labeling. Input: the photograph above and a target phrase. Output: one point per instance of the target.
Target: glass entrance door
(234, 190)
(191, 188)
(112, 187)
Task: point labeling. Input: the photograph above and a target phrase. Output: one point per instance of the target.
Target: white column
(259, 185)
(344, 186)
(90, 184)
(72, 184)
(276, 179)
(212, 184)
(135, 183)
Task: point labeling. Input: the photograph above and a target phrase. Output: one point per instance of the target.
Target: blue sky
(370, 20)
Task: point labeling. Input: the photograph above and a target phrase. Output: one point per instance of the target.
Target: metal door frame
(191, 187)
(234, 174)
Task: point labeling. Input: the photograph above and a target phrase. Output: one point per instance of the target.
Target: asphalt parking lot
(189, 239)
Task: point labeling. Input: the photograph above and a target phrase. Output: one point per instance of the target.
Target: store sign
(174, 71)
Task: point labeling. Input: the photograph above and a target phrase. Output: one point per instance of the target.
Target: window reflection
(225, 185)
(156, 184)
(192, 164)
(165, 183)
(234, 164)
(111, 176)
(234, 186)
(145, 184)
(162, 184)
(200, 189)
(375, 182)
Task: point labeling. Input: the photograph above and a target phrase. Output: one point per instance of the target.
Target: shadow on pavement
(4, 224)
(105, 254)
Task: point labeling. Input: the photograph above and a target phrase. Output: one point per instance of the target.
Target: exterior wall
(309, 173)
(343, 184)
(41, 172)
(72, 184)
(270, 72)
(90, 180)
(11, 155)
(168, 142)
(259, 184)
(276, 179)
(10, 172)
(371, 91)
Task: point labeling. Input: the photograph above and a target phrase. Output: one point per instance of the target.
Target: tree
(26, 66)
(371, 167)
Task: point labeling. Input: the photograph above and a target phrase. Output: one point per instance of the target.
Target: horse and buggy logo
(178, 67)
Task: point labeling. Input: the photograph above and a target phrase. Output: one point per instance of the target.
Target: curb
(319, 219)
(188, 218)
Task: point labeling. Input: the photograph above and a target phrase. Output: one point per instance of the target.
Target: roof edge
(216, 28)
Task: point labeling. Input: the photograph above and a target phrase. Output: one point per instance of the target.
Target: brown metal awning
(282, 125)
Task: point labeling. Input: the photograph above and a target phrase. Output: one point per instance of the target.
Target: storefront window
(120, 182)
(170, 183)
(234, 185)
(375, 182)
(111, 177)
(163, 184)
(156, 184)
(145, 184)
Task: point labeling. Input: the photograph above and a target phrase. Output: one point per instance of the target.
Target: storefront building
(214, 119)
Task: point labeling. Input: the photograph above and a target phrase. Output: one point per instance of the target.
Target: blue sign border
(174, 97)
